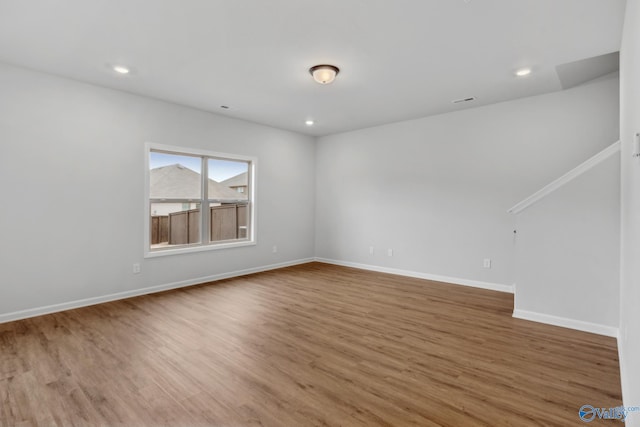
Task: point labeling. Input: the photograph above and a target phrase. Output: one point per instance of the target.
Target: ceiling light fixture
(523, 72)
(120, 69)
(324, 74)
(309, 122)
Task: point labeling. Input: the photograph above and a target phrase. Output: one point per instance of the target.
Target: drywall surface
(568, 249)
(72, 178)
(436, 190)
(629, 342)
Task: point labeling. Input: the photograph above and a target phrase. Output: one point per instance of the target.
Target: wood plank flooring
(303, 346)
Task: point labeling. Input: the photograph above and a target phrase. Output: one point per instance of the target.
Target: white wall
(629, 343)
(568, 253)
(437, 189)
(72, 177)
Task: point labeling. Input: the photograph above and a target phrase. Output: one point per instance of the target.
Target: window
(193, 202)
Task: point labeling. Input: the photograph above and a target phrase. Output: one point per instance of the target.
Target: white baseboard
(594, 328)
(39, 311)
(418, 275)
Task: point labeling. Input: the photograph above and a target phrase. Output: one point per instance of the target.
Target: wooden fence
(159, 229)
(227, 222)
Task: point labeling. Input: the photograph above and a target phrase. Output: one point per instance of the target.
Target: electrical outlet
(274, 249)
(389, 252)
(371, 250)
(136, 268)
(487, 263)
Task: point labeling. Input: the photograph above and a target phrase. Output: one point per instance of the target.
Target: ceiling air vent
(462, 100)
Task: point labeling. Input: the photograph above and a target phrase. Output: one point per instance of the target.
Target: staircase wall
(568, 253)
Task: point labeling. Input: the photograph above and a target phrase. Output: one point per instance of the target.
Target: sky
(219, 170)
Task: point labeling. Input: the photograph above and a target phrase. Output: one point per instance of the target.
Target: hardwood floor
(302, 346)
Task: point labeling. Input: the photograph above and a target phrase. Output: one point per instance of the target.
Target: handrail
(569, 176)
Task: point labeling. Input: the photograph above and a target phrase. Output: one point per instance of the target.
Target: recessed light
(309, 122)
(121, 69)
(523, 72)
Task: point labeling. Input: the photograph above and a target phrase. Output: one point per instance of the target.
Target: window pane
(174, 224)
(174, 176)
(228, 180)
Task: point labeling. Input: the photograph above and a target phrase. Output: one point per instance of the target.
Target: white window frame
(205, 244)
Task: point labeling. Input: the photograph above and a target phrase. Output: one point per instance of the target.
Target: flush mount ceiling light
(309, 122)
(324, 74)
(523, 72)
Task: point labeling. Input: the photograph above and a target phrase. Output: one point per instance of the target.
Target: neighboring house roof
(179, 182)
(239, 180)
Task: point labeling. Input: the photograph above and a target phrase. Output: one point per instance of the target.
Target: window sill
(197, 248)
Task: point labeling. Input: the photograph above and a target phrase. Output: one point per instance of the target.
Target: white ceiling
(399, 59)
